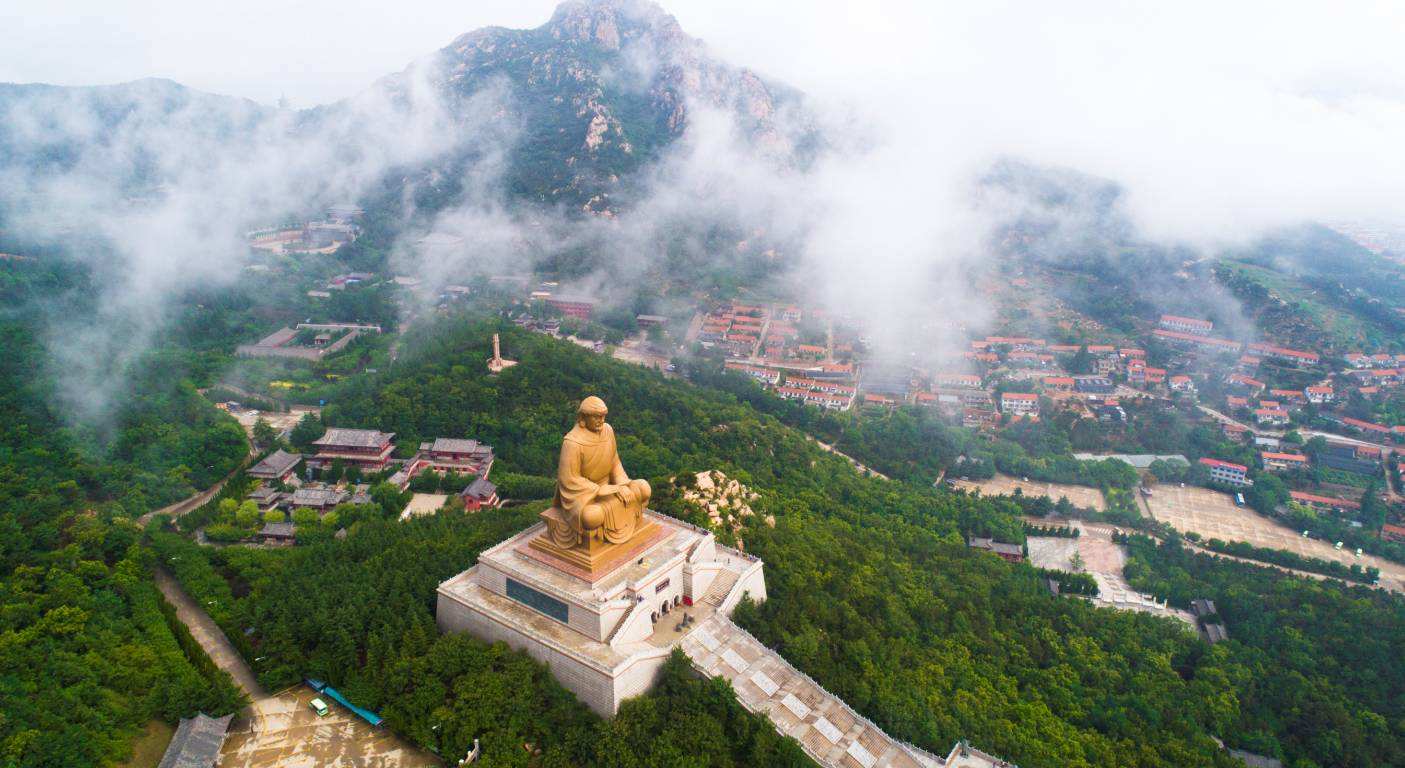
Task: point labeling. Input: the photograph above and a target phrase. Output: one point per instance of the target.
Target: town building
(1325, 502)
(1187, 325)
(367, 449)
(1019, 403)
(579, 308)
(1271, 417)
(1226, 472)
(1318, 395)
(1280, 462)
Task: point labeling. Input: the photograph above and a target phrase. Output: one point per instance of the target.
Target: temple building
(367, 449)
(466, 457)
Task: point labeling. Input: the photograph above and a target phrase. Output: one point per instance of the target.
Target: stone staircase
(720, 588)
(829, 731)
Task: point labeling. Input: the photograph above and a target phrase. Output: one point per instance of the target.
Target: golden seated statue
(598, 510)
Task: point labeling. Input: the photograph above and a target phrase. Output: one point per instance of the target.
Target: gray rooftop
(275, 464)
(197, 742)
(278, 529)
(317, 497)
(480, 488)
(455, 445)
(354, 438)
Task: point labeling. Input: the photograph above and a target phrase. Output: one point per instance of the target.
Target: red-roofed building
(1237, 402)
(1227, 472)
(1181, 383)
(1204, 342)
(1324, 502)
(1319, 395)
(958, 380)
(1277, 462)
(1393, 532)
(1254, 386)
(1019, 403)
(1273, 417)
(1058, 383)
(1187, 325)
(1366, 426)
(1294, 356)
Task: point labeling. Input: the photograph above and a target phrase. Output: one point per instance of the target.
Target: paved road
(192, 502)
(209, 635)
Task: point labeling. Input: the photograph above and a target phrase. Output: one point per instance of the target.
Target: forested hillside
(89, 652)
(872, 590)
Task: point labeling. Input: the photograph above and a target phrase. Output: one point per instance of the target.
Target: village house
(367, 449)
(1324, 502)
(979, 418)
(1019, 403)
(1293, 357)
(1058, 383)
(1187, 325)
(1181, 383)
(956, 380)
(1280, 462)
(1243, 383)
(1318, 395)
(1271, 417)
(1226, 472)
(771, 376)
(1208, 343)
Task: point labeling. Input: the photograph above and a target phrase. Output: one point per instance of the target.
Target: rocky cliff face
(601, 89)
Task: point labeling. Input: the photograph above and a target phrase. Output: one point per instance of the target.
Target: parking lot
(1003, 485)
(1214, 515)
(282, 730)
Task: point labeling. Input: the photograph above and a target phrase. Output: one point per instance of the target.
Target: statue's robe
(588, 461)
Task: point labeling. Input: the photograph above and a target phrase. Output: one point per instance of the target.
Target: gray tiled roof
(317, 497)
(355, 438)
(454, 445)
(275, 464)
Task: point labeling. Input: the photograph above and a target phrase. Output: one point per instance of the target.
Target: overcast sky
(1214, 114)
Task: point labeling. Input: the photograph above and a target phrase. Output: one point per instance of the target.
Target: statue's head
(591, 414)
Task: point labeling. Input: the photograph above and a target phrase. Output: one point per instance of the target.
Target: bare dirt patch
(1214, 515)
(1004, 485)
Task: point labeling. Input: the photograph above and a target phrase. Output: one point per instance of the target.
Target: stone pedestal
(595, 556)
(603, 623)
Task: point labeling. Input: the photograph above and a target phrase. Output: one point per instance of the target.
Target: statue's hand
(626, 493)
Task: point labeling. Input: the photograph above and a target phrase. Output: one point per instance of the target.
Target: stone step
(717, 591)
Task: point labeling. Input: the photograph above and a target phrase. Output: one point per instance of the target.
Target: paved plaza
(1103, 560)
(1214, 515)
(282, 730)
(1004, 485)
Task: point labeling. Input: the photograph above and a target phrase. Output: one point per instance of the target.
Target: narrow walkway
(197, 500)
(831, 733)
(857, 464)
(209, 636)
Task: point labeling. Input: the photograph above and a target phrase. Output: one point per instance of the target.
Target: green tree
(308, 428)
(247, 516)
